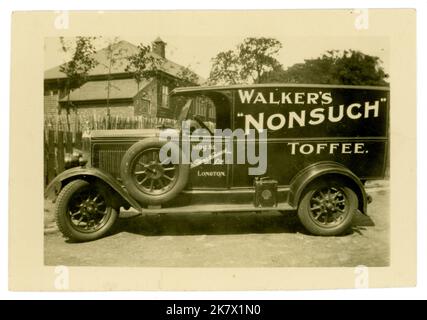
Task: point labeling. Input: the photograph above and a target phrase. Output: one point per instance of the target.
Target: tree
(247, 64)
(142, 65)
(256, 56)
(349, 67)
(225, 69)
(77, 69)
(186, 77)
(115, 56)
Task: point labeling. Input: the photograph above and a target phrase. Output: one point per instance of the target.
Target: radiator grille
(108, 157)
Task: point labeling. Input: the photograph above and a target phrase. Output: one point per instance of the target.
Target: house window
(165, 96)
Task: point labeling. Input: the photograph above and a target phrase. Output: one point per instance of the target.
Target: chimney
(159, 47)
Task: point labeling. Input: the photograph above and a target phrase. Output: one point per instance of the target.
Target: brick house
(126, 98)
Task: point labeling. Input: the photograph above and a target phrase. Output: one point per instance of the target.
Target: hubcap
(328, 206)
(87, 210)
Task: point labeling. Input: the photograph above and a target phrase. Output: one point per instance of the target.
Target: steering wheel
(199, 120)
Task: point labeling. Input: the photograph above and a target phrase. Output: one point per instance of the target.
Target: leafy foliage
(247, 64)
(81, 63)
(142, 65)
(187, 77)
(256, 56)
(77, 69)
(225, 69)
(349, 67)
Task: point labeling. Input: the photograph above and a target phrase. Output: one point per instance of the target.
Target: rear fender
(56, 185)
(326, 170)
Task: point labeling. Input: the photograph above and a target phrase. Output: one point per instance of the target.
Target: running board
(214, 208)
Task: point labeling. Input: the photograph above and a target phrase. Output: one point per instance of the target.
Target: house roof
(126, 49)
(97, 90)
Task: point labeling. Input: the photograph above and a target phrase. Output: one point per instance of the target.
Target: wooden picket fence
(60, 138)
(76, 123)
(56, 144)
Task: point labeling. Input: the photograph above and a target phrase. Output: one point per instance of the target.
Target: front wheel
(83, 211)
(327, 208)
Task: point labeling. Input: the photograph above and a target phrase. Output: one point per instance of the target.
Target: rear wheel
(327, 208)
(84, 212)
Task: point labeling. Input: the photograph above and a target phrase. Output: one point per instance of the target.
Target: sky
(197, 52)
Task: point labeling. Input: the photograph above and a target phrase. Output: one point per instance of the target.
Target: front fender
(56, 185)
(317, 170)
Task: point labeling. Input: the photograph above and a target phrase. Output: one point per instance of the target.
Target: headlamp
(74, 159)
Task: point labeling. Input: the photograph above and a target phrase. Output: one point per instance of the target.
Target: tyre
(147, 179)
(327, 208)
(83, 211)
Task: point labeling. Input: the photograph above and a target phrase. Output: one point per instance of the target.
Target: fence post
(69, 142)
(51, 156)
(78, 142)
(60, 152)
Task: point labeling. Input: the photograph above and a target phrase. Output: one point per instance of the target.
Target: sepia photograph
(309, 187)
(210, 150)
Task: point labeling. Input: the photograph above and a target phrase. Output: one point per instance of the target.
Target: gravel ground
(228, 240)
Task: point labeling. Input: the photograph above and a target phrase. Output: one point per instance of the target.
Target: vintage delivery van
(305, 148)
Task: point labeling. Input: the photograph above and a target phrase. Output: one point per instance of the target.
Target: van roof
(183, 90)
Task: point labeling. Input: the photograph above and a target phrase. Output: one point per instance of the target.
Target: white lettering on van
(329, 148)
(374, 107)
(316, 116)
(274, 97)
(246, 96)
(258, 125)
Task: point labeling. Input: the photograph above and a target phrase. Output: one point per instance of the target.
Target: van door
(208, 168)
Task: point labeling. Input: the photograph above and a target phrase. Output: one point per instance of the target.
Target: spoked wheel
(83, 211)
(151, 175)
(327, 208)
(149, 180)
